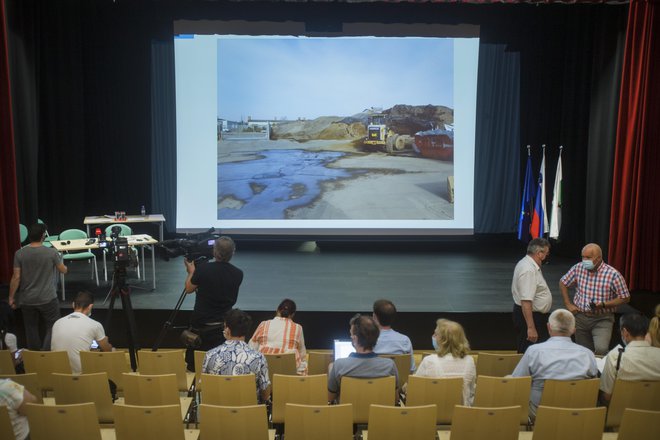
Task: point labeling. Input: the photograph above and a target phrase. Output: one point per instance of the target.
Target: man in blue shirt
(557, 358)
(390, 341)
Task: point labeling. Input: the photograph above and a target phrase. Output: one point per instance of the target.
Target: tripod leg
(170, 320)
(130, 318)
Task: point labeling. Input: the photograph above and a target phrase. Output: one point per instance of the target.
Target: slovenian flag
(539, 218)
(555, 217)
(527, 202)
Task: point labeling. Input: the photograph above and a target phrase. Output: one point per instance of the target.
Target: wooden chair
(71, 422)
(234, 423)
(497, 365)
(565, 423)
(44, 363)
(6, 362)
(319, 422)
(318, 362)
(639, 425)
(570, 393)
(444, 392)
(113, 363)
(199, 356)
(229, 390)
(156, 390)
(473, 423)
(304, 390)
(364, 392)
(30, 381)
(71, 389)
(284, 363)
(403, 363)
(6, 429)
(643, 395)
(494, 392)
(150, 423)
(164, 362)
(395, 423)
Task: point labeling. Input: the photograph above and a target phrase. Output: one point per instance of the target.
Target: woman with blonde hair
(653, 335)
(451, 358)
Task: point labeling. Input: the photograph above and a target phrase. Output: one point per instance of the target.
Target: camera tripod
(122, 290)
(168, 323)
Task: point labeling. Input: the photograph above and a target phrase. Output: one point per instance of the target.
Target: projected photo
(335, 128)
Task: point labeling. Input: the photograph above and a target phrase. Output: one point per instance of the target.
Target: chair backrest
(444, 392)
(199, 356)
(148, 390)
(229, 390)
(164, 362)
(283, 363)
(72, 422)
(23, 232)
(474, 423)
(72, 234)
(493, 392)
(6, 429)
(570, 393)
(44, 363)
(148, 422)
(6, 362)
(304, 390)
(114, 363)
(364, 392)
(30, 381)
(320, 422)
(632, 394)
(318, 362)
(233, 422)
(637, 424)
(564, 423)
(394, 423)
(125, 230)
(70, 389)
(497, 365)
(403, 363)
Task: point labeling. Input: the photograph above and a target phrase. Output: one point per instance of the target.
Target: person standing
(32, 286)
(599, 290)
(531, 296)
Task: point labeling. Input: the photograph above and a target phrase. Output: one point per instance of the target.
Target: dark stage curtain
(635, 221)
(9, 236)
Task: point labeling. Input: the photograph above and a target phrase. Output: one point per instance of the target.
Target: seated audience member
(76, 331)
(557, 358)
(638, 360)
(653, 335)
(364, 363)
(14, 396)
(234, 357)
(390, 341)
(451, 358)
(282, 335)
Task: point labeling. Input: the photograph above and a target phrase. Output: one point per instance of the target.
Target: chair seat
(78, 256)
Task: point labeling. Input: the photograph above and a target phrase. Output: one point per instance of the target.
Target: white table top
(81, 244)
(107, 219)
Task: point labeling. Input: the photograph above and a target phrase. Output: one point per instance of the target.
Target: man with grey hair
(532, 298)
(599, 290)
(558, 358)
(216, 284)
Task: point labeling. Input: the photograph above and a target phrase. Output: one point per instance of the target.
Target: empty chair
(318, 362)
(229, 390)
(497, 365)
(403, 363)
(637, 424)
(44, 363)
(23, 232)
(474, 423)
(71, 422)
(150, 423)
(570, 393)
(70, 389)
(363, 392)
(150, 390)
(305, 390)
(164, 362)
(320, 422)
(234, 423)
(76, 234)
(30, 381)
(632, 394)
(493, 392)
(394, 423)
(284, 363)
(6, 362)
(443, 392)
(564, 423)
(198, 359)
(114, 363)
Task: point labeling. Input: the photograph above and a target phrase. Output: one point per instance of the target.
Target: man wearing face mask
(531, 296)
(75, 332)
(599, 290)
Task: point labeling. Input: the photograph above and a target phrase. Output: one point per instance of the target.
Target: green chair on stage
(23, 230)
(75, 234)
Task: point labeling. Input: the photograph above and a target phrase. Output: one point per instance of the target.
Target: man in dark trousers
(216, 284)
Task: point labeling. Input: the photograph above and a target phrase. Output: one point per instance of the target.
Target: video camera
(195, 247)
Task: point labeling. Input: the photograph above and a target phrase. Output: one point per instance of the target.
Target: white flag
(542, 180)
(555, 218)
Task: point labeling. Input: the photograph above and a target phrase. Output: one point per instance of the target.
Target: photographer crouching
(216, 285)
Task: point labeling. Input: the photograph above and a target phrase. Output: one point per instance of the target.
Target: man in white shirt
(75, 332)
(531, 296)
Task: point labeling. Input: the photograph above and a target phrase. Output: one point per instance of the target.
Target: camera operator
(216, 284)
